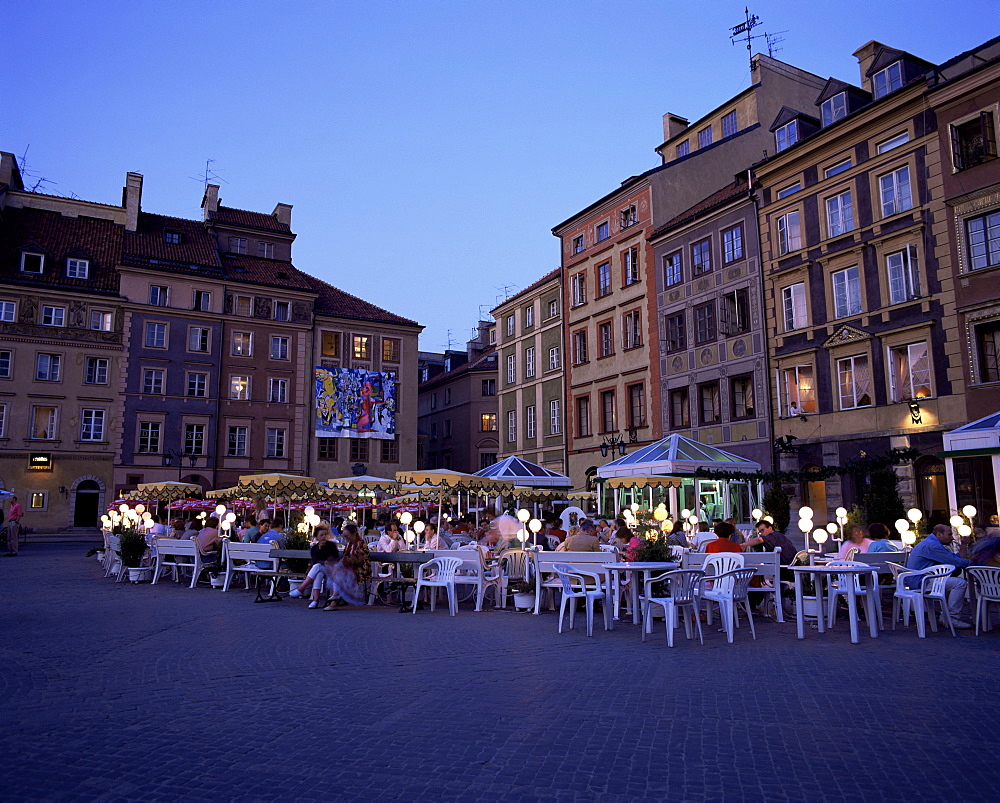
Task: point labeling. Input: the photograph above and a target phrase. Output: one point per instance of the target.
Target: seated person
(771, 539)
(435, 540)
(392, 539)
(208, 538)
(265, 534)
(323, 551)
(703, 536)
(856, 538)
(879, 535)
(585, 540)
(250, 531)
(723, 543)
(621, 536)
(933, 551)
(556, 530)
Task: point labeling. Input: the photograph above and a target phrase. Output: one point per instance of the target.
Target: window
(683, 149)
(895, 190)
(391, 348)
(704, 323)
(242, 344)
(855, 382)
(282, 310)
(171, 237)
(838, 168)
(277, 390)
(798, 392)
(488, 422)
(602, 231)
(529, 316)
(553, 308)
(786, 136)
(156, 335)
(97, 371)
(197, 384)
(330, 344)
(157, 295)
(489, 387)
(631, 265)
(895, 142)
(53, 316)
(701, 257)
(149, 437)
(243, 306)
(275, 442)
(834, 108)
(3, 420)
(487, 459)
(6, 362)
(579, 347)
(674, 331)
(239, 388)
(631, 330)
(202, 301)
(578, 244)
(911, 372)
(434, 401)
(152, 381)
(973, 142)
(608, 417)
(741, 393)
(194, 439)
(237, 245)
(359, 450)
(846, 292)
(988, 341)
(361, 347)
(732, 244)
(789, 233)
(390, 451)
(705, 137)
(555, 417)
(328, 448)
(529, 422)
(708, 401)
(279, 348)
(888, 80)
(791, 189)
(77, 268)
(578, 289)
(511, 369)
(47, 367)
(92, 425)
(265, 250)
(983, 236)
(511, 326)
(237, 442)
(43, 423)
(734, 312)
(729, 124)
(793, 306)
(672, 269)
(529, 362)
(101, 321)
(198, 338)
(37, 500)
(32, 263)
(511, 426)
(606, 337)
(554, 360)
(903, 274)
(8, 311)
(583, 417)
(447, 396)
(603, 279)
(636, 406)
(680, 411)
(628, 217)
(839, 214)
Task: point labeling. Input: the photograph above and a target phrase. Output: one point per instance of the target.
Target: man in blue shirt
(933, 551)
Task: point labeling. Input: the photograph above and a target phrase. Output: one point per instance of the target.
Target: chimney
(210, 201)
(866, 55)
(9, 172)
(132, 200)
(673, 125)
(283, 214)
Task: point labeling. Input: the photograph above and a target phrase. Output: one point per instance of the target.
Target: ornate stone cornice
(845, 335)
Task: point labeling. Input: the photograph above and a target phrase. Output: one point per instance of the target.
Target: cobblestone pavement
(121, 692)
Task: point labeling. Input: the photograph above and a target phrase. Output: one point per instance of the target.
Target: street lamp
(170, 454)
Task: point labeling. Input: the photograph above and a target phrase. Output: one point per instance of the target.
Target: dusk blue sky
(428, 147)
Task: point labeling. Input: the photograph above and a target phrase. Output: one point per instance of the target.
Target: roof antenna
(773, 39)
(26, 173)
(743, 31)
(210, 175)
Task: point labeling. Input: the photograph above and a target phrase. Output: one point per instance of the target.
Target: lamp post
(418, 528)
(535, 525)
(170, 454)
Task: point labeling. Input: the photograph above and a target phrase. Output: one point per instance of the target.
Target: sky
(428, 147)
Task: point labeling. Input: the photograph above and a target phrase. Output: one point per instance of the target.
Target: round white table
(821, 572)
(612, 582)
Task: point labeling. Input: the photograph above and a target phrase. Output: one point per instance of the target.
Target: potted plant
(132, 549)
(294, 539)
(524, 594)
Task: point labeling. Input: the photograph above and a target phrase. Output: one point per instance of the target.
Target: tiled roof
(197, 247)
(258, 270)
(251, 220)
(58, 237)
(334, 301)
(484, 362)
(705, 205)
(548, 277)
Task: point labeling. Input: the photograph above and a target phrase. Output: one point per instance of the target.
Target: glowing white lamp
(841, 512)
(522, 536)
(964, 530)
(909, 537)
(768, 519)
(805, 512)
(140, 508)
(831, 528)
(147, 523)
(955, 520)
(914, 515)
(523, 515)
(122, 508)
(220, 509)
(146, 516)
(230, 517)
(902, 525)
(692, 520)
(405, 518)
(635, 507)
(660, 514)
(969, 512)
(225, 525)
(418, 527)
(309, 510)
(820, 535)
(757, 514)
(410, 537)
(685, 513)
(805, 525)
(535, 526)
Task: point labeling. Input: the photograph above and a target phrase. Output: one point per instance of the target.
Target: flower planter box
(139, 575)
(524, 600)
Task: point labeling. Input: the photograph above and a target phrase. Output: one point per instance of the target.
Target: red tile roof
(273, 272)
(250, 220)
(713, 201)
(334, 301)
(484, 362)
(197, 246)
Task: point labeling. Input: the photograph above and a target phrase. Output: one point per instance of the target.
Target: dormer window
(834, 108)
(888, 80)
(172, 237)
(786, 136)
(78, 268)
(32, 263)
(265, 250)
(237, 245)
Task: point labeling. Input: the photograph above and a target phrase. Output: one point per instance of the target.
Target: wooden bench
(767, 564)
(588, 563)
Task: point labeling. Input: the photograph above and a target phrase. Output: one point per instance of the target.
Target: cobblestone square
(121, 692)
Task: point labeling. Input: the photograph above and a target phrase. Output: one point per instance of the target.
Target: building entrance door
(88, 495)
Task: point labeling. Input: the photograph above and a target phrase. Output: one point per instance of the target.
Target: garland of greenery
(859, 466)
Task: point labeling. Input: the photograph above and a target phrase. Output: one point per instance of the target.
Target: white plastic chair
(986, 580)
(728, 591)
(571, 578)
(683, 589)
(931, 589)
(553, 541)
(850, 586)
(438, 573)
(850, 553)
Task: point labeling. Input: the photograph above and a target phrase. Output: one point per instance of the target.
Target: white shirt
(435, 542)
(387, 543)
(703, 538)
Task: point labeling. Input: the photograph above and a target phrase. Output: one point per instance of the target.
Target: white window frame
(606, 338)
(241, 386)
(786, 136)
(631, 329)
(791, 189)
(6, 363)
(159, 295)
(833, 109)
(529, 362)
(237, 437)
(92, 424)
(553, 308)
(53, 315)
(199, 339)
(730, 124)
(789, 233)
(150, 433)
(102, 321)
(849, 390)
(157, 329)
(673, 269)
(578, 289)
(279, 347)
(52, 427)
(98, 365)
(286, 311)
(631, 261)
(602, 228)
(840, 167)
(732, 244)
(603, 279)
(511, 369)
(895, 205)
(8, 311)
(554, 361)
(237, 245)
(242, 345)
(845, 285)
(888, 80)
(195, 381)
(265, 249)
(840, 214)
(887, 145)
(511, 326)
(529, 316)
(804, 394)
(555, 417)
(41, 263)
(157, 381)
(194, 439)
(898, 394)
(705, 137)
(512, 426)
(529, 422)
(77, 268)
(202, 301)
(277, 390)
(794, 309)
(903, 275)
(52, 371)
(243, 306)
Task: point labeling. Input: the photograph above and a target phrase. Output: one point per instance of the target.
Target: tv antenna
(744, 31)
(210, 174)
(773, 39)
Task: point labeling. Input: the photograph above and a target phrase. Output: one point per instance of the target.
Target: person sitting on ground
(585, 540)
(703, 537)
(933, 551)
(723, 543)
(392, 539)
(771, 539)
(347, 577)
(857, 538)
(879, 535)
(323, 553)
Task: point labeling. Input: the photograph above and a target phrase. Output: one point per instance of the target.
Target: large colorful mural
(355, 403)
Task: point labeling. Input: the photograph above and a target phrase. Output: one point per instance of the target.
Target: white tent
(524, 473)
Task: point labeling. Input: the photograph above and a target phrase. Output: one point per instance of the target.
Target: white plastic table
(645, 567)
(819, 572)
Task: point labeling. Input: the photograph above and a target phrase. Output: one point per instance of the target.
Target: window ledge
(632, 348)
(605, 356)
